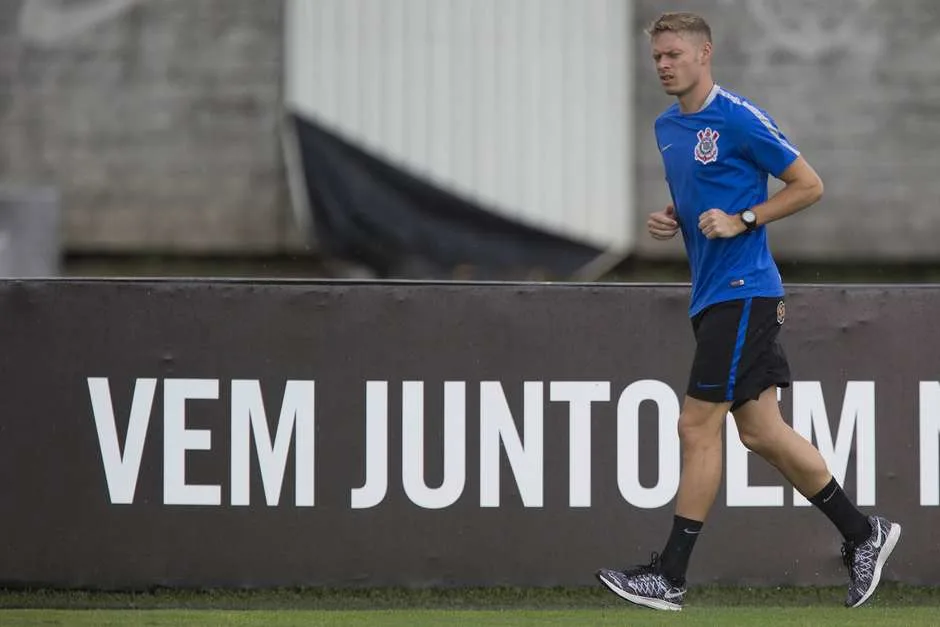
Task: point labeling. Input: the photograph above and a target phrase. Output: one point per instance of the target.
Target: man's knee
(700, 428)
(753, 440)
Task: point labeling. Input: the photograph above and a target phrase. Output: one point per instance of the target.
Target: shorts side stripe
(738, 348)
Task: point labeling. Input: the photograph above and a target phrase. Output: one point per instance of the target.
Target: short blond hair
(680, 22)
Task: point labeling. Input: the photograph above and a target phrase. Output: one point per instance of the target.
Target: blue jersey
(719, 158)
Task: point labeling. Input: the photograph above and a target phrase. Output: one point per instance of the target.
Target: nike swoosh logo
(670, 595)
(832, 494)
(665, 148)
(879, 539)
(690, 532)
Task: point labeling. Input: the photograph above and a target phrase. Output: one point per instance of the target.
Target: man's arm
(803, 187)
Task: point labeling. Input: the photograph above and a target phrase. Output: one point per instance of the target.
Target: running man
(718, 150)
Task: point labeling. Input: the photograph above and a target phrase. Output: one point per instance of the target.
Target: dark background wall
(858, 354)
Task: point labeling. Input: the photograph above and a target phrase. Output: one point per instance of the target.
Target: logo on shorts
(706, 150)
(709, 386)
(781, 312)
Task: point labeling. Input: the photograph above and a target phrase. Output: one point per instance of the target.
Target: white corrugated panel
(522, 105)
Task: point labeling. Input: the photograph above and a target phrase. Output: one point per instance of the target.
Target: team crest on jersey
(781, 312)
(706, 150)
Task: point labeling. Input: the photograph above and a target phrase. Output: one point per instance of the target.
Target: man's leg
(763, 430)
(700, 429)
(869, 541)
(661, 584)
(718, 330)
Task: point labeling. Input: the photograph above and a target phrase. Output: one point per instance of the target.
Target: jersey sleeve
(764, 144)
(658, 137)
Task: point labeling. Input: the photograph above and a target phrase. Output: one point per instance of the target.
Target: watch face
(748, 217)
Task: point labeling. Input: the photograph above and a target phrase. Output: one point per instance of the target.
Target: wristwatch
(749, 218)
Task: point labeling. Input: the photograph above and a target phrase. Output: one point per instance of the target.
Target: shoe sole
(656, 604)
(894, 534)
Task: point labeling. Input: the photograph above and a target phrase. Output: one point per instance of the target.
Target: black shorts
(737, 355)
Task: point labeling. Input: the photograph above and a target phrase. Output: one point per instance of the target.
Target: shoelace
(643, 569)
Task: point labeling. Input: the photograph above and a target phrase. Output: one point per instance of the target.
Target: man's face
(680, 60)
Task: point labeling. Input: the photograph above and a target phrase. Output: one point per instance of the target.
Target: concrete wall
(157, 120)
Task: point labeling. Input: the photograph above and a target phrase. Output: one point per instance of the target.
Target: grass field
(764, 616)
(509, 607)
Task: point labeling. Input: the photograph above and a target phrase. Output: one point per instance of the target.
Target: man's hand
(663, 224)
(715, 224)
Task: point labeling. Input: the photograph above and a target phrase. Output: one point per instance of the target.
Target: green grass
(491, 598)
(763, 616)
(511, 607)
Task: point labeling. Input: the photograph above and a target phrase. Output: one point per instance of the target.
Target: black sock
(833, 502)
(674, 560)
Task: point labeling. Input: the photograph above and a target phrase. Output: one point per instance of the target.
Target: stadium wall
(248, 434)
(158, 122)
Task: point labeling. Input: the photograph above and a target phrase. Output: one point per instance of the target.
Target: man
(718, 149)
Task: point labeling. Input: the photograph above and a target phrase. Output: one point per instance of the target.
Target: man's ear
(706, 51)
